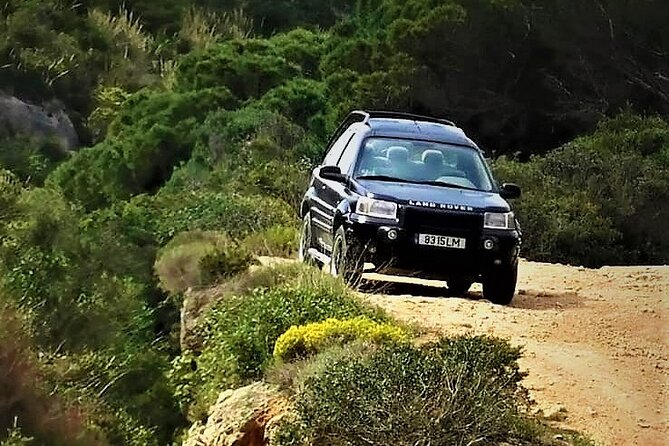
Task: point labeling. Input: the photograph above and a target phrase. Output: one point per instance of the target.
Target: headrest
(398, 153)
(433, 158)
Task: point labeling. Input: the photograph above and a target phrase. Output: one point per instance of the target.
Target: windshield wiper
(445, 184)
(404, 180)
(384, 178)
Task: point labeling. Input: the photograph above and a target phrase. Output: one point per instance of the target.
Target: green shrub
(87, 294)
(255, 134)
(237, 215)
(276, 241)
(306, 340)
(29, 408)
(249, 67)
(30, 159)
(599, 199)
(225, 261)
(131, 402)
(199, 258)
(155, 220)
(240, 332)
(455, 392)
(152, 133)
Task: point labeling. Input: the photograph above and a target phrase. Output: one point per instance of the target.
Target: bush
(454, 392)
(27, 408)
(52, 272)
(307, 340)
(599, 199)
(129, 399)
(153, 133)
(240, 332)
(276, 241)
(87, 294)
(225, 261)
(155, 220)
(30, 159)
(199, 258)
(249, 67)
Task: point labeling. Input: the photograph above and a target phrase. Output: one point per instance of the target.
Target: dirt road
(596, 342)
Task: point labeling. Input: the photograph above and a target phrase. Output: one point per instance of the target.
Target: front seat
(434, 163)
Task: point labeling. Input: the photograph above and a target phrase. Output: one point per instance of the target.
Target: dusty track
(596, 342)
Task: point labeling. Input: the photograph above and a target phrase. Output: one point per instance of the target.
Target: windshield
(422, 162)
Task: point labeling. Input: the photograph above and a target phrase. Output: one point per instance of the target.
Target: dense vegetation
(201, 121)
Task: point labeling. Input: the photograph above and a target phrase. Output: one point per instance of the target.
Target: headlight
(499, 220)
(376, 208)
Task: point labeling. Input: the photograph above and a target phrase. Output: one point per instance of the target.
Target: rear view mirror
(510, 191)
(332, 173)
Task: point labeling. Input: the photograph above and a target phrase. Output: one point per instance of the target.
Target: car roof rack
(367, 115)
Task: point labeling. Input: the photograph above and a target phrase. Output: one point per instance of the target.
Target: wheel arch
(341, 215)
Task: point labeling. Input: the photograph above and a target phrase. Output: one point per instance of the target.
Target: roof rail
(401, 115)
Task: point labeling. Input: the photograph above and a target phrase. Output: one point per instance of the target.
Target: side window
(347, 158)
(337, 149)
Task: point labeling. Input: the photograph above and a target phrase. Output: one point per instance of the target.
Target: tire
(306, 242)
(459, 286)
(499, 286)
(346, 260)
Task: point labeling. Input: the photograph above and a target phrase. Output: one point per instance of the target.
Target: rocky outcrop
(241, 417)
(42, 122)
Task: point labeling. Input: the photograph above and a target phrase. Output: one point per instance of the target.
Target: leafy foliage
(30, 160)
(448, 393)
(198, 258)
(27, 411)
(240, 331)
(302, 341)
(151, 135)
(599, 199)
(276, 241)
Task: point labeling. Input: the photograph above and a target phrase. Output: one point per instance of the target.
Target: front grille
(442, 221)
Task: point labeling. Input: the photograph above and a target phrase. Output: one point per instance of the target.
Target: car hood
(439, 197)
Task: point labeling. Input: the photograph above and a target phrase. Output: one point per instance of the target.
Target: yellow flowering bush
(305, 340)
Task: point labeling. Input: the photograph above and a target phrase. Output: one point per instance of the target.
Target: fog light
(489, 244)
(392, 234)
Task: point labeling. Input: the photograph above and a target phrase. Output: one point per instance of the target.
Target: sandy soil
(596, 342)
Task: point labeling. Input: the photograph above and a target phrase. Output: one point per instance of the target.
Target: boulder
(239, 417)
(41, 122)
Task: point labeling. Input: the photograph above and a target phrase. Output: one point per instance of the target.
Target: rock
(240, 417)
(41, 122)
(191, 310)
(555, 413)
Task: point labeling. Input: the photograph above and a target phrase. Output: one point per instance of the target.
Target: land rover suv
(411, 195)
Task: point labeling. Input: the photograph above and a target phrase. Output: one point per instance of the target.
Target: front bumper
(395, 249)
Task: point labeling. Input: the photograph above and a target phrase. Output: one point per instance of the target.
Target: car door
(328, 194)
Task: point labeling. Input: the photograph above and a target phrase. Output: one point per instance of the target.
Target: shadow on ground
(524, 299)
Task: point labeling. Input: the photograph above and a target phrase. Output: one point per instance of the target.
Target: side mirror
(332, 173)
(510, 191)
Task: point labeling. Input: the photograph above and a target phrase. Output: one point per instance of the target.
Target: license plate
(441, 241)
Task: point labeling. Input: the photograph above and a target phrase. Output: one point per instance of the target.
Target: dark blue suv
(411, 195)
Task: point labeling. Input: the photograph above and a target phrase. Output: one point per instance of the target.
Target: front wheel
(499, 285)
(346, 260)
